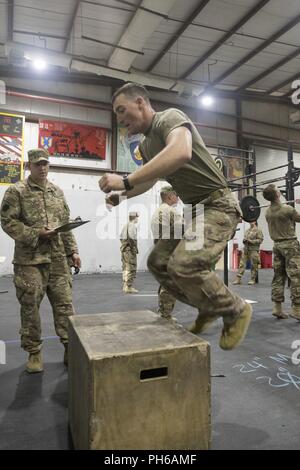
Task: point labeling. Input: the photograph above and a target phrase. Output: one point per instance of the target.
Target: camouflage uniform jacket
(129, 238)
(27, 208)
(253, 238)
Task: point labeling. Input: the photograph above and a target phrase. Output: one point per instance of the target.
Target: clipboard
(70, 225)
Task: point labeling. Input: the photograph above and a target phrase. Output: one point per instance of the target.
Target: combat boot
(277, 311)
(238, 280)
(234, 332)
(66, 358)
(201, 323)
(129, 290)
(251, 282)
(295, 312)
(166, 316)
(34, 363)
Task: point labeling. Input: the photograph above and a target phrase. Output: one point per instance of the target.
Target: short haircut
(270, 192)
(133, 215)
(131, 90)
(165, 191)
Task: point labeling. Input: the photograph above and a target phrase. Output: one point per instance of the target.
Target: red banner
(64, 139)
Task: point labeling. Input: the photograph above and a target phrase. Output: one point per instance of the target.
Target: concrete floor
(255, 388)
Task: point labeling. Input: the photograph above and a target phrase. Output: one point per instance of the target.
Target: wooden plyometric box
(137, 381)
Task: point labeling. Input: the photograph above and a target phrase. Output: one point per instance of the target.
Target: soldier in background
(30, 210)
(253, 238)
(281, 221)
(166, 223)
(129, 251)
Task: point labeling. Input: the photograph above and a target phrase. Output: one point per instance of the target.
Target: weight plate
(250, 208)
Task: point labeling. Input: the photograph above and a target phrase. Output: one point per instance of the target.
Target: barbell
(251, 208)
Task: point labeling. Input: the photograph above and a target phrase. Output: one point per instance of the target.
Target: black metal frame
(293, 173)
(252, 155)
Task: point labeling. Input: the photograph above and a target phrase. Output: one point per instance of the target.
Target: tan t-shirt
(196, 179)
(281, 221)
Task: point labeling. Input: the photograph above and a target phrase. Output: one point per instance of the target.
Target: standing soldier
(252, 240)
(281, 222)
(166, 224)
(30, 210)
(129, 251)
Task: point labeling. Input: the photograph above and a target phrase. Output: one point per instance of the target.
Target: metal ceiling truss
(271, 69)
(180, 31)
(71, 24)
(10, 23)
(283, 84)
(226, 36)
(258, 49)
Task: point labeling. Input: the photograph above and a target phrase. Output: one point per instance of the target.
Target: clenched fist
(113, 199)
(110, 182)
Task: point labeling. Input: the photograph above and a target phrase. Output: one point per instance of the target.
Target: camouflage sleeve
(258, 238)
(68, 237)
(69, 243)
(11, 221)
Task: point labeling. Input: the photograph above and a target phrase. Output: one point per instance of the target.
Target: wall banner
(11, 148)
(69, 140)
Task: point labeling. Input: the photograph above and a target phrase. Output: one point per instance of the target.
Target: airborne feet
(201, 323)
(234, 333)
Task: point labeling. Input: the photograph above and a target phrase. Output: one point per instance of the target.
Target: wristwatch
(127, 185)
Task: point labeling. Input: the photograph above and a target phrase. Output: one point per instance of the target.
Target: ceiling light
(207, 100)
(39, 64)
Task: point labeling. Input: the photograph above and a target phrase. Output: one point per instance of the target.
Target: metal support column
(226, 265)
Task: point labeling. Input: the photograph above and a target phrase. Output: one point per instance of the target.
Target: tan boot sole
(34, 371)
(282, 316)
(233, 335)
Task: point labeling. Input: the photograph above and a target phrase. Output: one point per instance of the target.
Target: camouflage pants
(253, 257)
(32, 283)
(166, 302)
(286, 264)
(183, 267)
(128, 267)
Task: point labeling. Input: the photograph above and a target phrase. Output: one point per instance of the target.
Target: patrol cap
(133, 214)
(38, 155)
(167, 189)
